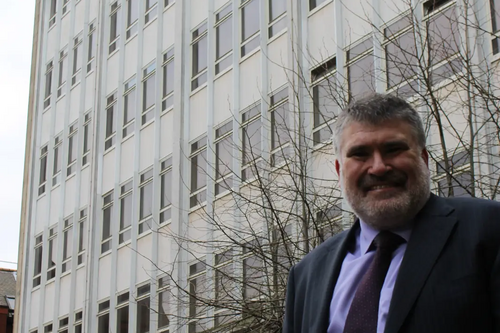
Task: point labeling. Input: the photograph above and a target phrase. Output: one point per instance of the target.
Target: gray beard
(397, 213)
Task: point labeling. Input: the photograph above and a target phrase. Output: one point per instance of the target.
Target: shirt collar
(368, 233)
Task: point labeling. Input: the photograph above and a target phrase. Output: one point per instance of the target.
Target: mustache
(393, 177)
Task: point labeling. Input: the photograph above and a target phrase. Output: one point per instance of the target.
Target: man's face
(384, 173)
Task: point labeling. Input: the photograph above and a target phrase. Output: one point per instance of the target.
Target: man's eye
(358, 154)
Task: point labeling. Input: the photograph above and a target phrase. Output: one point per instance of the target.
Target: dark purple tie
(363, 314)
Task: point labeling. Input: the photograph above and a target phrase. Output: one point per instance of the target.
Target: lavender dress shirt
(353, 268)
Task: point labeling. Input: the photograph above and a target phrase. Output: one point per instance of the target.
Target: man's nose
(379, 166)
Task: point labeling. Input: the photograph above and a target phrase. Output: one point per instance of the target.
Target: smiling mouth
(380, 187)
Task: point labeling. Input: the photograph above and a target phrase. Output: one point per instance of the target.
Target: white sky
(16, 26)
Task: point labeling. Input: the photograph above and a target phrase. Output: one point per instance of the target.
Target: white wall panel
(79, 15)
(69, 202)
(357, 16)
(164, 248)
(390, 9)
(127, 159)
(147, 147)
(198, 114)
(223, 98)
(34, 306)
(90, 93)
(74, 108)
(112, 73)
(45, 135)
(64, 293)
(94, 8)
(51, 51)
(149, 43)
(278, 62)
(108, 171)
(123, 274)
(218, 4)
(199, 10)
(168, 31)
(54, 204)
(130, 58)
(104, 276)
(324, 44)
(50, 295)
(41, 214)
(250, 80)
(80, 288)
(85, 184)
(144, 258)
(166, 134)
(65, 30)
(60, 113)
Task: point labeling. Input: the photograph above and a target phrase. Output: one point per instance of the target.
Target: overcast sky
(16, 24)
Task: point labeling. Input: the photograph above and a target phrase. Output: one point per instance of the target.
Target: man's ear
(425, 156)
(337, 166)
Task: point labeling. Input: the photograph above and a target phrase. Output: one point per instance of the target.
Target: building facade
(151, 121)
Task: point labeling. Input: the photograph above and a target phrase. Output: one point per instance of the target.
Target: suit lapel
(326, 278)
(432, 229)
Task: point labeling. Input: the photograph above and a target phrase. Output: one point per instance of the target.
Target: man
(442, 273)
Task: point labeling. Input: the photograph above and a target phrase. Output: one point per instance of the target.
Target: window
(52, 257)
(63, 67)
(224, 38)
(47, 328)
(82, 235)
(122, 313)
(92, 48)
(315, 3)
(327, 222)
(37, 271)
(110, 122)
(495, 24)
(164, 299)
(56, 170)
(114, 27)
(52, 13)
(146, 201)
(250, 25)
(280, 129)
(325, 104)
(456, 180)
(253, 274)
(360, 69)
(132, 17)
(126, 203)
(401, 57)
(168, 80)
(107, 219)
(199, 65)
(197, 293)
(103, 317)
(166, 190)
(148, 93)
(443, 41)
(129, 107)
(251, 139)
(63, 325)
(78, 322)
(277, 17)
(143, 309)
(198, 172)
(65, 6)
(43, 170)
(77, 60)
(48, 85)
(223, 157)
(151, 10)
(67, 243)
(72, 140)
(86, 147)
(225, 288)
(168, 3)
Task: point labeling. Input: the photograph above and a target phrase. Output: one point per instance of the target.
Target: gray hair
(376, 109)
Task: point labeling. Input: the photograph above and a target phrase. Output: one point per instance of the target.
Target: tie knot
(387, 241)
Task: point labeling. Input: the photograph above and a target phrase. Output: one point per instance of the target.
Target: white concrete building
(129, 98)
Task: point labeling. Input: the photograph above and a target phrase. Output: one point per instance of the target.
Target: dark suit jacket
(449, 280)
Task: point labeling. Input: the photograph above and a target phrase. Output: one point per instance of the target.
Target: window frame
(363, 50)
(52, 13)
(150, 11)
(72, 149)
(42, 181)
(165, 209)
(198, 195)
(224, 260)
(275, 25)
(251, 42)
(77, 57)
(223, 16)
(199, 75)
(195, 315)
(460, 166)
(78, 322)
(103, 309)
(38, 260)
(128, 119)
(57, 160)
(48, 84)
(126, 193)
(82, 235)
(249, 160)
(278, 100)
(92, 45)
(143, 296)
(164, 288)
(122, 308)
(148, 80)
(107, 200)
(132, 23)
(145, 221)
(52, 254)
(110, 129)
(114, 27)
(223, 136)
(63, 68)
(167, 101)
(67, 244)
(63, 325)
(86, 134)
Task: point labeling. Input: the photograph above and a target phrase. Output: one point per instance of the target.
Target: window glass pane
(279, 126)
(361, 77)
(166, 189)
(38, 261)
(495, 14)
(250, 19)
(197, 290)
(122, 320)
(199, 56)
(110, 124)
(68, 243)
(198, 173)
(149, 92)
(126, 211)
(401, 59)
(224, 34)
(143, 315)
(163, 308)
(443, 35)
(106, 223)
(252, 276)
(325, 106)
(132, 11)
(168, 78)
(276, 8)
(146, 200)
(103, 324)
(251, 141)
(129, 107)
(224, 156)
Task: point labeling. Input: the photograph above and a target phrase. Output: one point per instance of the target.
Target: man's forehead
(359, 133)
